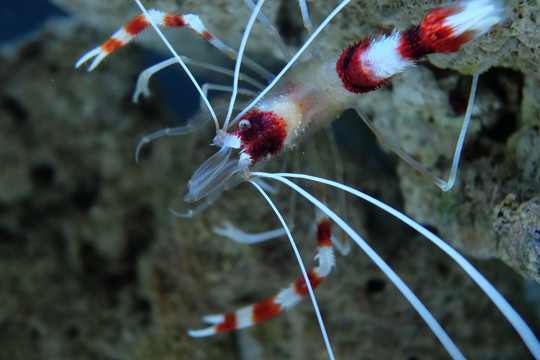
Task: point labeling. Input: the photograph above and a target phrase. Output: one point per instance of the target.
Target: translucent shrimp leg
(284, 300)
(145, 75)
(233, 233)
(192, 125)
(271, 30)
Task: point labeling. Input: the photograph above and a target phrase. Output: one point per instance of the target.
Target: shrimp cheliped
(301, 100)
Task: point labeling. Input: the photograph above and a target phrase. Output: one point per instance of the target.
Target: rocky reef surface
(94, 266)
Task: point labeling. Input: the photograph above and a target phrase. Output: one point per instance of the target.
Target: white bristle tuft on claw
(477, 16)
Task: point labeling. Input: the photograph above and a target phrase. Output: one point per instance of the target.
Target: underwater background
(94, 266)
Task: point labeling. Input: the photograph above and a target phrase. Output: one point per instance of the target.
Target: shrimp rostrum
(303, 98)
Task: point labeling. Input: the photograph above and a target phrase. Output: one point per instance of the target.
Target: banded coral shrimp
(215, 173)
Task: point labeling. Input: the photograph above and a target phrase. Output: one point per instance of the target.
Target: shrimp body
(314, 94)
(309, 97)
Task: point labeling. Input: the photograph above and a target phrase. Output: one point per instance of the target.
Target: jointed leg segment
(284, 300)
(141, 22)
(137, 25)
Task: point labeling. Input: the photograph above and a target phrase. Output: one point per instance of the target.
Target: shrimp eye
(266, 157)
(244, 124)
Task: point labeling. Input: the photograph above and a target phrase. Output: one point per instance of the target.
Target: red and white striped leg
(284, 300)
(141, 22)
(366, 65)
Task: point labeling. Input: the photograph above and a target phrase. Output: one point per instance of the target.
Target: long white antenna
(495, 296)
(179, 59)
(241, 49)
(292, 61)
(302, 269)
(411, 297)
(447, 185)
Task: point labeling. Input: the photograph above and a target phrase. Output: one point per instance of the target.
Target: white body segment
(478, 16)
(383, 58)
(308, 99)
